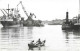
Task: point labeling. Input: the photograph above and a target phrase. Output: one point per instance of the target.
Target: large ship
(74, 24)
(67, 24)
(11, 17)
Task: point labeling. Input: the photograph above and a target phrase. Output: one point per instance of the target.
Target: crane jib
(23, 8)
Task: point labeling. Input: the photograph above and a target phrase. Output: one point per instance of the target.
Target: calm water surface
(17, 38)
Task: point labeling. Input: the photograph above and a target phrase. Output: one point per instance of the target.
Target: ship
(11, 17)
(75, 24)
(67, 24)
(31, 22)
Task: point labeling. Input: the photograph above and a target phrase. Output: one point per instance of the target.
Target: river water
(17, 38)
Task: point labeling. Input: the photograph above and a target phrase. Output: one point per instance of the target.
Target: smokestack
(67, 17)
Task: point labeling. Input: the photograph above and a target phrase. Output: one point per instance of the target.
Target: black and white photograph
(39, 25)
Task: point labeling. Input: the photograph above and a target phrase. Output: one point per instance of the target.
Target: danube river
(17, 38)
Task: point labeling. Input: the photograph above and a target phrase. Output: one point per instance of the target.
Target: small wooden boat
(31, 46)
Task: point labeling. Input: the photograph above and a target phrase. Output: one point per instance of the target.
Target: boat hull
(64, 27)
(9, 23)
(67, 26)
(76, 27)
(31, 23)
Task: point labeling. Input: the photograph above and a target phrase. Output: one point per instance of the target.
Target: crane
(31, 14)
(22, 8)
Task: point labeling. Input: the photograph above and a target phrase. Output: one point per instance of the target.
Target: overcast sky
(45, 9)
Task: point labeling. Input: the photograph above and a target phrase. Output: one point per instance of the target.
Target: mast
(8, 10)
(78, 13)
(79, 6)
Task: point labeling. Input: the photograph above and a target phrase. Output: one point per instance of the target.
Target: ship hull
(68, 26)
(30, 23)
(76, 27)
(8, 23)
(65, 27)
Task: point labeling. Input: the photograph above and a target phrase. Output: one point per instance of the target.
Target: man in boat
(31, 45)
(39, 41)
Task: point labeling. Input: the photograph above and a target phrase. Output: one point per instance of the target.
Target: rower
(39, 41)
(32, 43)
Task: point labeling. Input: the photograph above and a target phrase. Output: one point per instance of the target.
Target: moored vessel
(10, 18)
(67, 24)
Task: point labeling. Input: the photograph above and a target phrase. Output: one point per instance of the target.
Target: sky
(44, 9)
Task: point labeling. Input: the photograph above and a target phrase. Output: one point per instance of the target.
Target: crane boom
(23, 8)
(32, 14)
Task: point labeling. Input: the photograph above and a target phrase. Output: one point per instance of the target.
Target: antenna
(67, 10)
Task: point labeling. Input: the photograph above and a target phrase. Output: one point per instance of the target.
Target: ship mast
(79, 13)
(8, 10)
(79, 6)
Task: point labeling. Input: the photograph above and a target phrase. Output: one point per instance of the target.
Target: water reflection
(11, 38)
(17, 38)
(72, 33)
(76, 32)
(29, 30)
(72, 39)
(10, 33)
(66, 36)
(30, 33)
